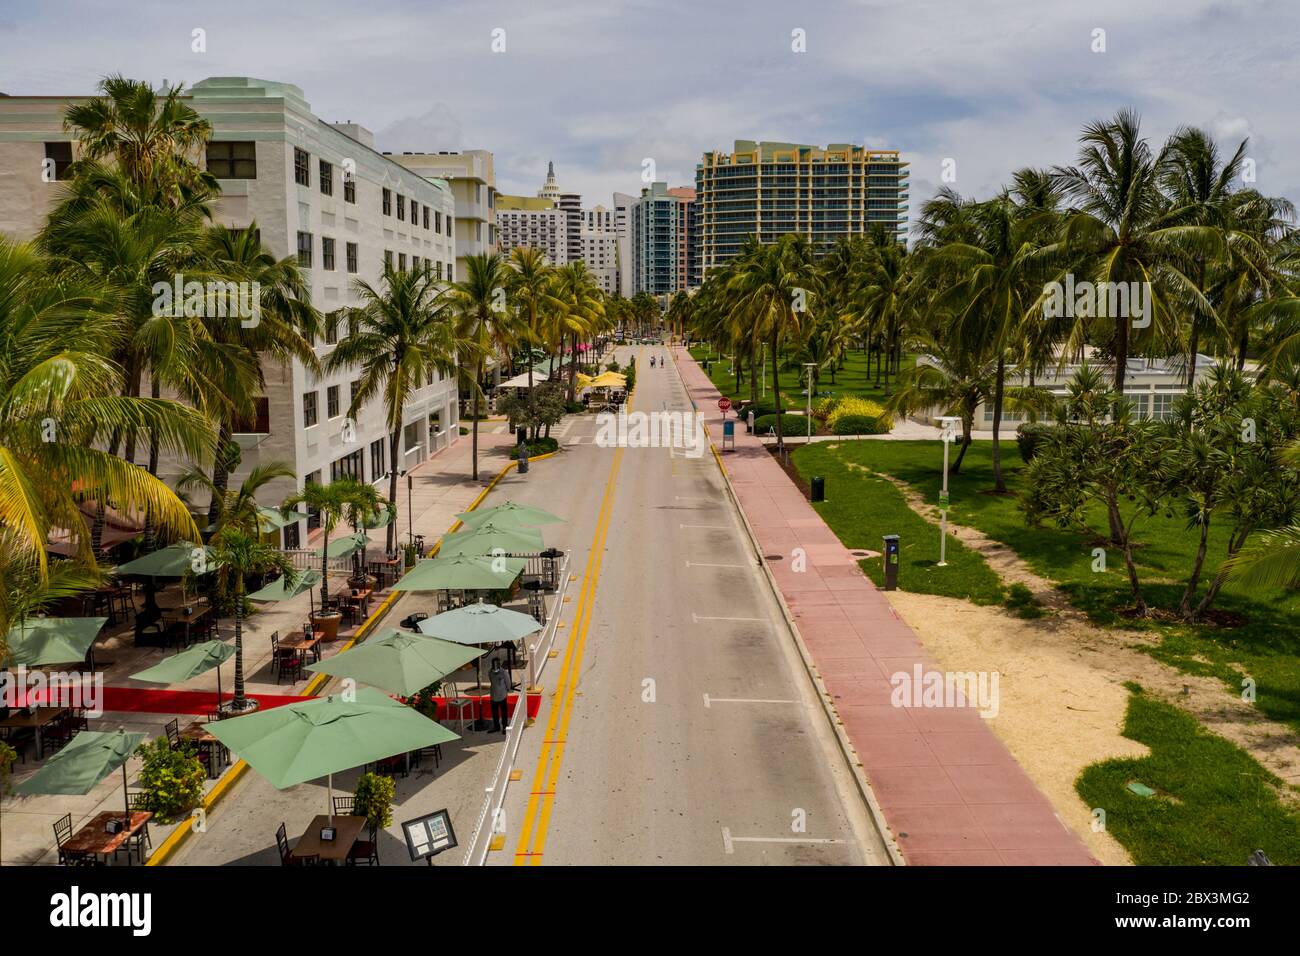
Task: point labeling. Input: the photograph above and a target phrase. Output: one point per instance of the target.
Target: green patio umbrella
(86, 760)
(490, 537)
(398, 661)
(197, 660)
(173, 561)
(278, 591)
(380, 519)
(317, 738)
(345, 546)
(509, 514)
(461, 573)
(38, 641)
(481, 624)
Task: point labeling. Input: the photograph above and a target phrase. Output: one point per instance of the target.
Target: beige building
(472, 178)
(316, 190)
(536, 222)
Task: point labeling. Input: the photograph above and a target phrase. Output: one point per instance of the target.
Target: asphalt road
(677, 725)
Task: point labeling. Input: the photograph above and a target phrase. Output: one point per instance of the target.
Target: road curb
(828, 707)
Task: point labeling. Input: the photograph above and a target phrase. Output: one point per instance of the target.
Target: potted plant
(172, 779)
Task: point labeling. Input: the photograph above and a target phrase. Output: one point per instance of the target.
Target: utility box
(890, 555)
(818, 488)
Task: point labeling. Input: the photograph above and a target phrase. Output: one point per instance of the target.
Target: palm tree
(153, 136)
(399, 338)
(775, 283)
(333, 503)
(580, 313)
(1118, 234)
(530, 289)
(60, 402)
(484, 324)
(680, 308)
(237, 555)
(1272, 560)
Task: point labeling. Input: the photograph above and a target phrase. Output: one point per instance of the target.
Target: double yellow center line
(537, 816)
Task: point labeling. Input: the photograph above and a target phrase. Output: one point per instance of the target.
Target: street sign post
(724, 405)
(947, 438)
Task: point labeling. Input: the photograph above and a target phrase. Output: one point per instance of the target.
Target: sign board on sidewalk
(429, 835)
(724, 404)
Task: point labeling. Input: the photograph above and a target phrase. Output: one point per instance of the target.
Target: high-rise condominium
(770, 189)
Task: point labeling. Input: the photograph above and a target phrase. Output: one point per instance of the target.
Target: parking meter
(891, 561)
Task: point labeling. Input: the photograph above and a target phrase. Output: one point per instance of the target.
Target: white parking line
(703, 564)
(729, 841)
(710, 701)
(696, 618)
(707, 527)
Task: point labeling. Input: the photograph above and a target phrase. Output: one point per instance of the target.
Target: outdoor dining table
(302, 643)
(93, 839)
(347, 829)
(178, 616)
(198, 734)
(37, 719)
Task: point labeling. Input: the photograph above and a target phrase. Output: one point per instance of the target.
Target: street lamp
(810, 366)
(947, 421)
(410, 517)
(764, 370)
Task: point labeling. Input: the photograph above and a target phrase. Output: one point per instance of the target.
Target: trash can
(818, 488)
(522, 455)
(891, 561)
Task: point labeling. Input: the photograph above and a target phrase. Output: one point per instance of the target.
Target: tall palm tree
(485, 325)
(332, 503)
(530, 285)
(399, 338)
(1118, 234)
(580, 314)
(776, 283)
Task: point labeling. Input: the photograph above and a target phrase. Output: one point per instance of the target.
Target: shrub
(172, 780)
(790, 424)
(463, 430)
(538, 446)
(823, 407)
(374, 799)
(859, 425)
(1031, 436)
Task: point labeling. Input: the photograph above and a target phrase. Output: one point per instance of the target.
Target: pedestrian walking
(500, 682)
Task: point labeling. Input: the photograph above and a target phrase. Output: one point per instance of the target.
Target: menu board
(429, 835)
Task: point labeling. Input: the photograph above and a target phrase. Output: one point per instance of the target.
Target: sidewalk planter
(328, 622)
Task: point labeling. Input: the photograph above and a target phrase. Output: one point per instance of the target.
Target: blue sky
(600, 86)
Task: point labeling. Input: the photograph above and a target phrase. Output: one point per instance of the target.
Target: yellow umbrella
(609, 380)
(583, 381)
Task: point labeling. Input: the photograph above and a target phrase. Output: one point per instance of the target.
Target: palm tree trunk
(239, 703)
(391, 537)
(1189, 592)
(999, 484)
(478, 378)
(776, 393)
(573, 371)
(220, 470)
(324, 565)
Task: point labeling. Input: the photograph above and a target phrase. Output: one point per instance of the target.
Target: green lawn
(1265, 646)
(1213, 804)
(852, 380)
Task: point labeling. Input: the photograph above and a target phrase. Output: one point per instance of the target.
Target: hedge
(859, 408)
(538, 446)
(790, 424)
(1031, 436)
(860, 425)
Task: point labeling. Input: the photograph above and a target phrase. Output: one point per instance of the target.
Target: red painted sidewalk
(949, 789)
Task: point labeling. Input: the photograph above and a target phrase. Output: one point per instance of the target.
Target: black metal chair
(343, 806)
(287, 856)
(62, 834)
(365, 851)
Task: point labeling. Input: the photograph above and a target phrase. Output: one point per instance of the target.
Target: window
(388, 202)
(301, 167)
(332, 329)
(349, 466)
(326, 178)
(332, 402)
(377, 468)
(438, 266)
(449, 225)
(304, 250)
(232, 160)
(1162, 406)
(401, 207)
(327, 253)
(415, 213)
(349, 188)
(401, 262)
(308, 409)
(259, 423)
(291, 538)
(426, 217)
(388, 258)
(437, 222)
(352, 256)
(353, 387)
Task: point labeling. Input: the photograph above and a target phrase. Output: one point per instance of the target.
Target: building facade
(472, 177)
(660, 225)
(535, 222)
(599, 249)
(770, 189)
(623, 204)
(315, 190)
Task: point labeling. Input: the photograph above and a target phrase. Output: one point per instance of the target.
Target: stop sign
(724, 404)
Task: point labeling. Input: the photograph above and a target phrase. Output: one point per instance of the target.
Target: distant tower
(551, 190)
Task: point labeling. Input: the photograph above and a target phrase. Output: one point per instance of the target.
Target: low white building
(536, 222)
(599, 246)
(473, 182)
(317, 190)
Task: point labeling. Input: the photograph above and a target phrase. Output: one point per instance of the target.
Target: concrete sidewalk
(951, 792)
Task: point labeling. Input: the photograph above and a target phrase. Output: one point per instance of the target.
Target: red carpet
(142, 701)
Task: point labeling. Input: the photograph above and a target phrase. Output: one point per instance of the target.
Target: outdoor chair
(138, 802)
(173, 731)
(343, 806)
(18, 738)
(62, 834)
(365, 851)
(57, 734)
(287, 857)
